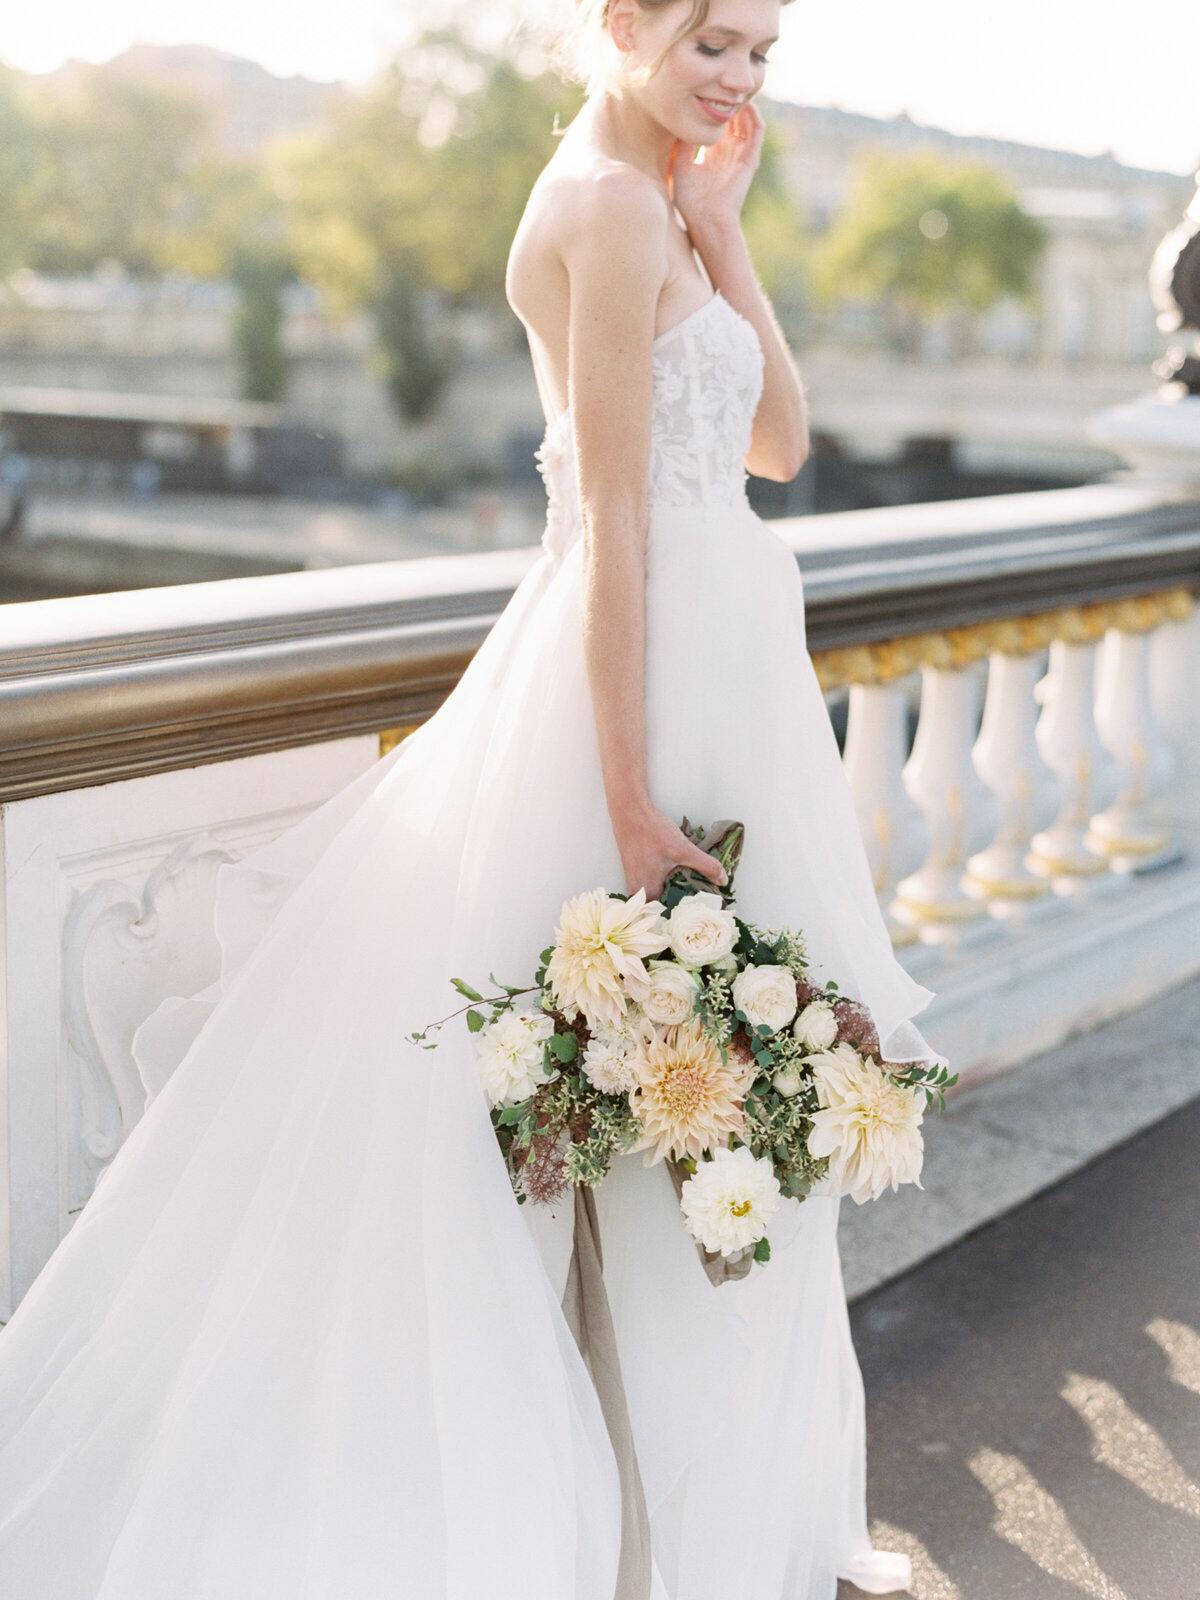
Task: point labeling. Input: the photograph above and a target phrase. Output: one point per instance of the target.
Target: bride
(301, 1344)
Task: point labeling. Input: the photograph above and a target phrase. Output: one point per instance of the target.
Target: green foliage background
(406, 201)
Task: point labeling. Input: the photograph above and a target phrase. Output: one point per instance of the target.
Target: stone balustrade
(1022, 740)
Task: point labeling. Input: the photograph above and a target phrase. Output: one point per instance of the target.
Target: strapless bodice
(708, 374)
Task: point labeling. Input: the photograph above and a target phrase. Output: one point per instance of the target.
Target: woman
(301, 1344)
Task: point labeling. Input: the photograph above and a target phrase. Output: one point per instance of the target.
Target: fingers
(711, 868)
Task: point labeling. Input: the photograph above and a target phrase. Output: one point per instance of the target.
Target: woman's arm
(709, 195)
(616, 263)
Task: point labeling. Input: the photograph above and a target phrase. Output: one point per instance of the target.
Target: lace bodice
(708, 374)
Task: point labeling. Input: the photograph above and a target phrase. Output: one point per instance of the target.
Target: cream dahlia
(688, 1099)
(599, 949)
(729, 1203)
(868, 1126)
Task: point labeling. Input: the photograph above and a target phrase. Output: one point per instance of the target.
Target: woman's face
(708, 74)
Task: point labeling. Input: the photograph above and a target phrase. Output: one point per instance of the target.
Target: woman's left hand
(710, 192)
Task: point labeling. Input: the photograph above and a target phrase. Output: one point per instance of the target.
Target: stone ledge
(1030, 989)
(1002, 1141)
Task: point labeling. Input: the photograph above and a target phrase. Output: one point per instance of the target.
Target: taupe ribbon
(589, 1317)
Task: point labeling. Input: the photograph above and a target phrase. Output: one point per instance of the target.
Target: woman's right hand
(652, 847)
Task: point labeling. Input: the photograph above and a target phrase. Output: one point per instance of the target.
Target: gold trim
(389, 738)
(890, 659)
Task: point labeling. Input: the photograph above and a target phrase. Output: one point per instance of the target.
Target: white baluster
(1174, 672)
(1071, 748)
(1008, 760)
(958, 811)
(1124, 833)
(892, 827)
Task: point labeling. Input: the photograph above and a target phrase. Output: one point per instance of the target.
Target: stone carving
(124, 950)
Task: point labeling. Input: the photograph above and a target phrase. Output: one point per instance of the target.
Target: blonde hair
(585, 52)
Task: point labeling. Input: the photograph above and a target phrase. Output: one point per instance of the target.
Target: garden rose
(701, 930)
(816, 1026)
(671, 995)
(767, 995)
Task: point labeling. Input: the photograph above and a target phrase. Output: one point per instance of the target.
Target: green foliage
(414, 368)
(920, 235)
(17, 162)
(110, 179)
(260, 278)
(415, 192)
(774, 227)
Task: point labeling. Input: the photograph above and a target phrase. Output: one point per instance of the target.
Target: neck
(630, 134)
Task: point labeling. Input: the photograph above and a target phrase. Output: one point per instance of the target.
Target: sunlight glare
(1031, 1519)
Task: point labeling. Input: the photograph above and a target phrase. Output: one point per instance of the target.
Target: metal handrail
(102, 687)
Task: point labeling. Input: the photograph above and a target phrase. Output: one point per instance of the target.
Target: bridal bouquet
(677, 1028)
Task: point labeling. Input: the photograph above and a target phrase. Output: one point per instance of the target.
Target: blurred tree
(921, 235)
(17, 155)
(413, 196)
(774, 227)
(260, 277)
(111, 176)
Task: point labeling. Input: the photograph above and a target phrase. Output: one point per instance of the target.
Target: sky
(1087, 75)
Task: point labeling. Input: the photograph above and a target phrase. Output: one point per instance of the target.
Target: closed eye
(711, 50)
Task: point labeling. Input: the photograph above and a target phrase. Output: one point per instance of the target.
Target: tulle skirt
(301, 1344)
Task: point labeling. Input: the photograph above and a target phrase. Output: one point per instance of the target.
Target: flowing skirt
(301, 1344)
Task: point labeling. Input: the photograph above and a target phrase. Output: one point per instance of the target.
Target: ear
(622, 24)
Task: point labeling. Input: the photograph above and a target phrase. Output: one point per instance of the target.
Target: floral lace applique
(708, 376)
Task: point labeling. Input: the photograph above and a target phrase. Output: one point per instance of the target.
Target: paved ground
(1034, 1391)
(1000, 1142)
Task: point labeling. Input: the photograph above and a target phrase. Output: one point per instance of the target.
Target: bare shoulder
(607, 210)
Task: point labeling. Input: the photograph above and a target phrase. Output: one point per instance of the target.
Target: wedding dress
(302, 1344)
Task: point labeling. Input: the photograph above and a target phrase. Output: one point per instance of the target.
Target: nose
(738, 75)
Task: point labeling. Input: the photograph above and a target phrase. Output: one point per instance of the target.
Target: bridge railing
(1015, 679)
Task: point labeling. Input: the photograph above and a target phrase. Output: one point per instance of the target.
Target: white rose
(511, 1054)
(767, 995)
(816, 1026)
(671, 995)
(700, 929)
(787, 1082)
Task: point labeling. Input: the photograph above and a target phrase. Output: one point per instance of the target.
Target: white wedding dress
(302, 1344)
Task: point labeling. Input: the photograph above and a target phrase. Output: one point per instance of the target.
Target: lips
(718, 110)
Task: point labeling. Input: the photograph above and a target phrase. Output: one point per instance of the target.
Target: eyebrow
(732, 33)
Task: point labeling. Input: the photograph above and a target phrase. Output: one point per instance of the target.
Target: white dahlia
(868, 1126)
(729, 1203)
(606, 1063)
(687, 1098)
(512, 1056)
(599, 954)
